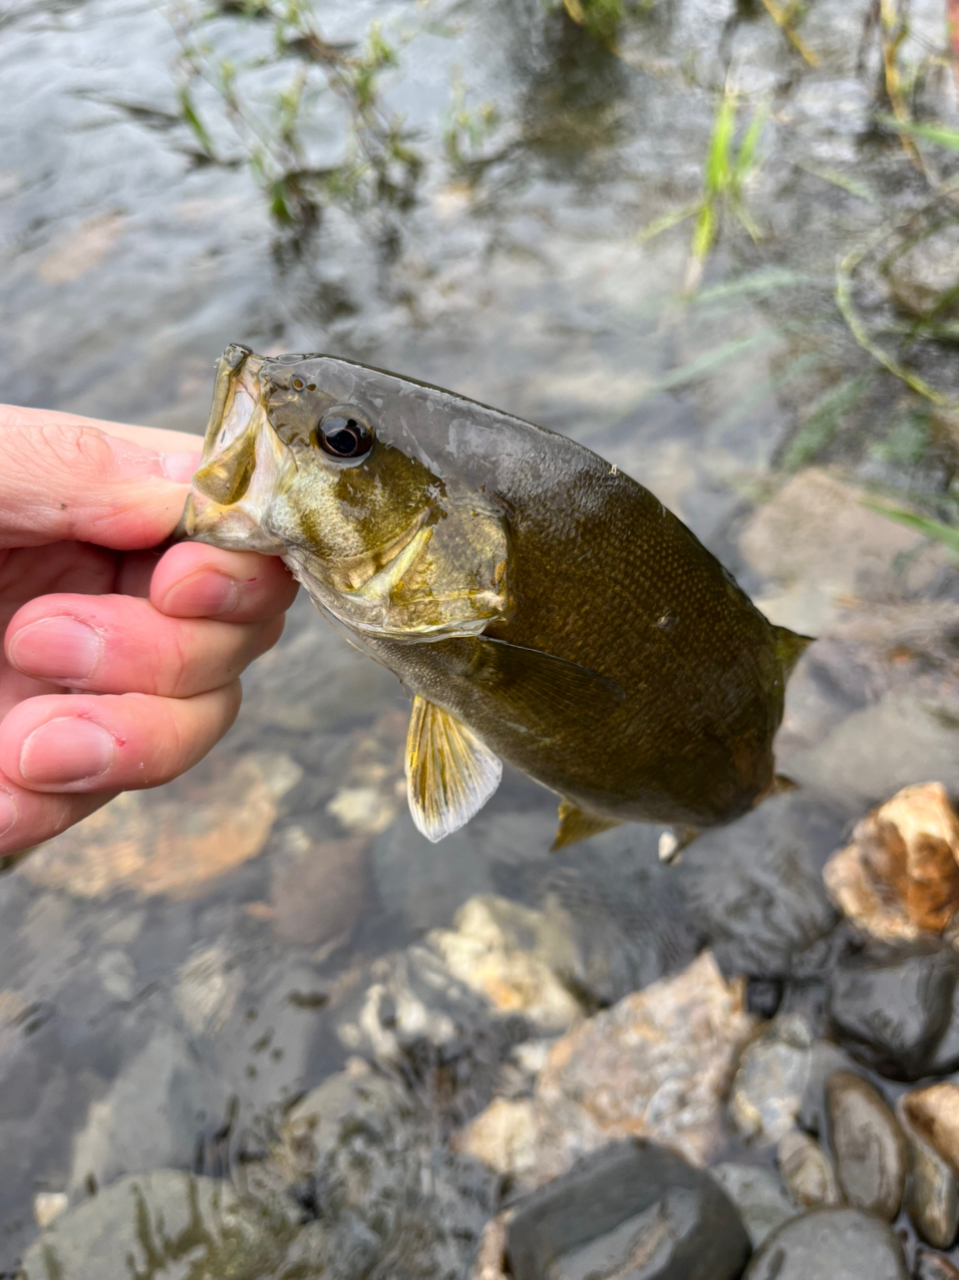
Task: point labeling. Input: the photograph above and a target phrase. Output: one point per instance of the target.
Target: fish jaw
(243, 466)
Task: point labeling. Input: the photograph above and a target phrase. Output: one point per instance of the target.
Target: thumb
(61, 480)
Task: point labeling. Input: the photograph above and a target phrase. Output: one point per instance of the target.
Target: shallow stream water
(166, 974)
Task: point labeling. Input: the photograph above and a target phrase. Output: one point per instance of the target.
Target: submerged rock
(891, 1009)
(869, 1145)
(174, 841)
(516, 957)
(755, 888)
(758, 1195)
(830, 1244)
(771, 1080)
(899, 875)
(933, 1112)
(807, 1171)
(658, 1065)
(933, 1266)
(633, 1210)
(932, 1200)
(154, 1220)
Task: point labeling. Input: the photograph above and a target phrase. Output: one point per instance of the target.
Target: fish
(539, 606)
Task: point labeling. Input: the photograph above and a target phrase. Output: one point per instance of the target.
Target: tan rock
(899, 876)
(869, 1146)
(932, 1200)
(514, 956)
(490, 1258)
(658, 1064)
(823, 548)
(934, 1113)
(48, 1205)
(173, 841)
(807, 1171)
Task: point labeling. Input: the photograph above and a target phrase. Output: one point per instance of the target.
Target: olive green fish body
(541, 606)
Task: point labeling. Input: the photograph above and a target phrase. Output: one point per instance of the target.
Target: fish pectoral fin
(578, 824)
(450, 773)
(537, 686)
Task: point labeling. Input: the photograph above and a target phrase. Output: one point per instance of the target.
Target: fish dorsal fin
(450, 774)
(535, 685)
(790, 647)
(577, 824)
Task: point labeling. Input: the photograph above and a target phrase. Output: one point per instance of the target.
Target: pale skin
(120, 666)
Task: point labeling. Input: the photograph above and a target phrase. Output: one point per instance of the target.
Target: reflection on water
(183, 966)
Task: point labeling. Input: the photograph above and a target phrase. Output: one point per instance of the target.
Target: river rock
(933, 1266)
(414, 1008)
(807, 1171)
(869, 1146)
(899, 875)
(824, 1058)
(755, 890)
(933, 1112)
(152, 1220)
(658, 1064)
(632, 1210)
(359, 1155)
(925, 271)
(891, 1008)
(758, 1195)
(830, 1244)
(821, 547)
(516, 957)
(771, 1079)
(932, 1200)
(143, 841)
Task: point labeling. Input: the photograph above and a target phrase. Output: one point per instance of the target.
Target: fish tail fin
(790, 647)
(577, 824)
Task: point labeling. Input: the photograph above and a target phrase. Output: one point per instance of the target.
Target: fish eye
(343, 434)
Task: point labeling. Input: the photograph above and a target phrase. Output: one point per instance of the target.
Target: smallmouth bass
(538, 605)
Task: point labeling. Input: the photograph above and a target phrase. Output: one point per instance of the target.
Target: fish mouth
(241, 465)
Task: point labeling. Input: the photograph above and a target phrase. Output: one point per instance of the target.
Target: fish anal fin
(450, 773)
(790, 647)
(578, 824)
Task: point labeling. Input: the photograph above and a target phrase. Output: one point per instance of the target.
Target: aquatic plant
(271, 131)
(726, 173)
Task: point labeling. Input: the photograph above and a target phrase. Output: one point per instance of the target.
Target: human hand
(120, 666)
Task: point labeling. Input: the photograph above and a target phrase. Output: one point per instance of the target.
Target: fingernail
(180, 466)
(9, 812)
(57, 649)
(203, 595)
(66, 750)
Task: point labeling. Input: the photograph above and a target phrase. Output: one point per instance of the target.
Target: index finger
(69, 479)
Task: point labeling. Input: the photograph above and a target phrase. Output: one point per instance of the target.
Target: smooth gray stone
(932, 1198)
(756, 889)
(759, 1196)
(890, 1008)
(869, 1145)
(153, 1219)
(633, 1211)
(830, 1244)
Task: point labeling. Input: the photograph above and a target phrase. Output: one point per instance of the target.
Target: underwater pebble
(48, 1205)
(932, 1199)
(771, 1080)
(807, 1171)
(758, 1195)
(932, 1266)
(830, 1244)
(934, 1114)
(869, 1146)
(631, 1209)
